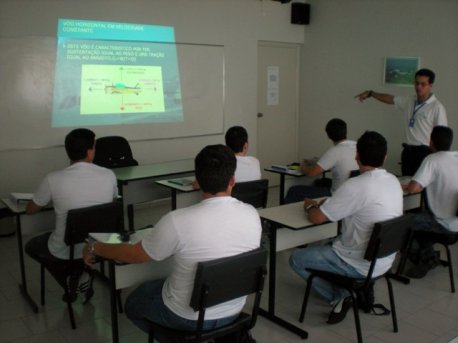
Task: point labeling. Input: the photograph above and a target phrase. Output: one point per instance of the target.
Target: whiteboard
(27, 72)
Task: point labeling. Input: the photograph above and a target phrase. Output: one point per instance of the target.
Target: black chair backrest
(252, 192)
(228, 278)
(113, 152)
(99, 218)
(354, 173)
(389, 237)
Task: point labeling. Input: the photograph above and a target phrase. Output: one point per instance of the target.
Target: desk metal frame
(298, 225)
(144, 177)
(18, 211)
(177, 189)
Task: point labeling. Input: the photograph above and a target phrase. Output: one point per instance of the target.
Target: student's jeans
(422, 250)
(323, 258)
(145, 305)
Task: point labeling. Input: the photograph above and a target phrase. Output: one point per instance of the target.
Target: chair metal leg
(70, 309)
(450, 268)
(356, 314)
(42, 284)
(151, 337)
(306, 297)
(392, 304)
(118, 296)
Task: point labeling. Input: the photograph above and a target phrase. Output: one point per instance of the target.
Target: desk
(411, 201)
(127, 275)
(182, 196)
(40, 222)
(292, 181)
(289, 227)
(136, 183)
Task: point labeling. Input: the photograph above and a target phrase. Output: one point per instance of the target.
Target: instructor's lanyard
(417, 107)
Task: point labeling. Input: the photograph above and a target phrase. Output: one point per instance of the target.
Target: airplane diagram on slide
(119, 89)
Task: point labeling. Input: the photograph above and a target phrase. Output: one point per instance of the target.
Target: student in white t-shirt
(438, 174)
(362, 201)
(248, 168)
(218, 226)
(81, 184)
(340, 160)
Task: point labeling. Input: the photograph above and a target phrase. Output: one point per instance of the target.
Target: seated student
(340, 159)
(79, 185)
(362, 201)
(218, 226)
(438, 174)
(248, 168)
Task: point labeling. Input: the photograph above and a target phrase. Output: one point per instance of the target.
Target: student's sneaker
(72, 282)
(85, 285)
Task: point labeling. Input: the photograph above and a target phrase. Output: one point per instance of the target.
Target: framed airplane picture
(400, 71)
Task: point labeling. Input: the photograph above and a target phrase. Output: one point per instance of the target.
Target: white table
(182, 195)
(137, 183)
(122, 275)
(288, 227)
(27, 225)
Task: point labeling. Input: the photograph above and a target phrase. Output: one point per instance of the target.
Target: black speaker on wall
(300, 13)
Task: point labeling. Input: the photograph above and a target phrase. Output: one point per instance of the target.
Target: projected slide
(113, 73)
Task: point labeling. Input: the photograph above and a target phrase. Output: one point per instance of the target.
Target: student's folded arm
(316, 216)
(314, 170)
(414, 187)
(126, 253)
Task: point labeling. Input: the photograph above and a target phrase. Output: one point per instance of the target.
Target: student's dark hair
(372, 149)
(78, 142)
(442, 138)
(426, 72)
(336, 129)
(214, 166)
(236, 137)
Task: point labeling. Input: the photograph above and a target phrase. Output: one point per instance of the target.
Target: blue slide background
(116, 44)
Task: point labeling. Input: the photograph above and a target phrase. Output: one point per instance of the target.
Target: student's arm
(123, 252)
(414, 187)
(32, 207)
(314, 213)
(313, 170)
(385, 98)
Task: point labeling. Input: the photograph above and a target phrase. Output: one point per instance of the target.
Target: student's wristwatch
(91, 246)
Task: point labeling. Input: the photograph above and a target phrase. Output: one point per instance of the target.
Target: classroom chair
(252, 192)
(107, 218)
(113, 152)
(219, 281)
(387, 238)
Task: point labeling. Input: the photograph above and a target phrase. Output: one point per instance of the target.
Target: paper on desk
(110, 238)
(114, 238)
(19, 197)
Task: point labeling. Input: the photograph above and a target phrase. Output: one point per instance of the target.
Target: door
(278, 82)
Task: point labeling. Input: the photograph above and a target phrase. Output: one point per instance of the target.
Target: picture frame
(400, 71)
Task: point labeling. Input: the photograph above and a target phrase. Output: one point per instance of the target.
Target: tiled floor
(427, 310)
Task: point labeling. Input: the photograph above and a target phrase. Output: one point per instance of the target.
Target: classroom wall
(343, 54)
(343, 51)
(236, 24)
